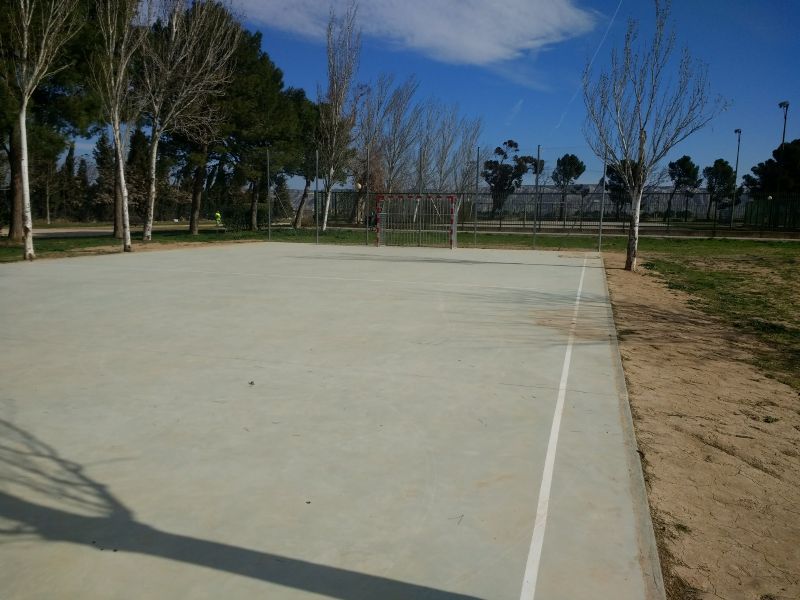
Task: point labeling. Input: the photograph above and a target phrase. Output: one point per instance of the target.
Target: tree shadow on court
(52, 498)
(433, 260)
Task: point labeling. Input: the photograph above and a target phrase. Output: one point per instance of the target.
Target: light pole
(785, 106)
(738, 133)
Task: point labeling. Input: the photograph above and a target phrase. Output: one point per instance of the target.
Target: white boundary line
(537, 539)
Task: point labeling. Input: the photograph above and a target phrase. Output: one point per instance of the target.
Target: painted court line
(537, 539)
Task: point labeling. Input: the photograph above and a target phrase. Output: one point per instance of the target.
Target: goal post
(417, 220)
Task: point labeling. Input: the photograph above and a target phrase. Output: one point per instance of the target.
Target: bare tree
(444, 145)
(431, 115)
(400, 135)
(371, 118)
(122, 31)
(639, 110)
(187, 59)
(337, 107)
(38, 31)
(463, 166)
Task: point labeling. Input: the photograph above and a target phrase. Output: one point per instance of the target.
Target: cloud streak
(514, 112)
(468, 32)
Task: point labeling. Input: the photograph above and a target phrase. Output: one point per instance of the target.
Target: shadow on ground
(431, 260)
(53, 498)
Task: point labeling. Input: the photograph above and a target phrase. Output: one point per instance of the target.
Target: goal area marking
(416, 220)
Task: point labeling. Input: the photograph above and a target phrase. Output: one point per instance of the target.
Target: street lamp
(738, 133)
(785, 106)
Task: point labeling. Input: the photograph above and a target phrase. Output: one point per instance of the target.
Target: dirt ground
(720, 446)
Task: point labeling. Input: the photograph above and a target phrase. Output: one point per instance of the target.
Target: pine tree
(82, 209)
(101, 205)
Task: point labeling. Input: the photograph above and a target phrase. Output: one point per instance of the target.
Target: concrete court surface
(298, 421)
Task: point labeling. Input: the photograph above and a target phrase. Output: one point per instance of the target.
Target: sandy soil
(720, 446)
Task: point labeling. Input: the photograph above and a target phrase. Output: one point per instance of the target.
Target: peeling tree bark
(15, 225)
(117, 202)
(126, 224)
(147, 234)
(254, 207)
(27, 222)
(298, 215)
(633, 232)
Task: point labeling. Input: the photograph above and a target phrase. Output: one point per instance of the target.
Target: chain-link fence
(661, 212)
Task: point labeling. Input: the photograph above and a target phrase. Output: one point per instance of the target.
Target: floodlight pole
(785, 106)
(316, 194)
(738, 133)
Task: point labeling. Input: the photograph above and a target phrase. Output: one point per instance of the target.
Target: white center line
(537, 539)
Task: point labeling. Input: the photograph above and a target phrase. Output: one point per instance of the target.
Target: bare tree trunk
(254, 208)
(123, 188)
(298, 216)
(147, 235)
(633, 232)
(47, 198)
(27, 222)
(197, 192)
(328, 196)
(14, 160)
(117, 202)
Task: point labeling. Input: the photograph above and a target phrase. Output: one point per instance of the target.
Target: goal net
(416, 220)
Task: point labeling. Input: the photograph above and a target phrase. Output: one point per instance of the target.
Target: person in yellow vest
(218, 218)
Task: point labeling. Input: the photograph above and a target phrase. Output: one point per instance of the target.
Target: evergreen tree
(82, 191)
(685, 176)
(101, 204)
(720, 182)
(779, 174)
(67, 190)
(505, 177)
(136, 172)
(568, 168)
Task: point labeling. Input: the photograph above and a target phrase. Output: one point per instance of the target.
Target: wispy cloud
(514, 112)
(470, 32)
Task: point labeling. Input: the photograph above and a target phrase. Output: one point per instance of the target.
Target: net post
(378, 220)
(453, 223)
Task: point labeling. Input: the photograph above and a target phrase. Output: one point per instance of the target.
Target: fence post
(366, 204)
(475, 197)
(524, 213)
(269, 203)
(419, 201)
(602, 205)
(536, 213)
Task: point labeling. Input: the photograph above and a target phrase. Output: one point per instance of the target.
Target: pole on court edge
(366, 204)
(419, 201)
(269, 203)
(602, 205)
(536, 199)
(475, 198)
(316, 195)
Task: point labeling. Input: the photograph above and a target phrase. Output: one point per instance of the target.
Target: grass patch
(753, 288)
(12, 251)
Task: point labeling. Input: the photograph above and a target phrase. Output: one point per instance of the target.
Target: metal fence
(661, 213)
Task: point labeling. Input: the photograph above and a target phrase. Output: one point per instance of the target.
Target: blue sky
(518, 64)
